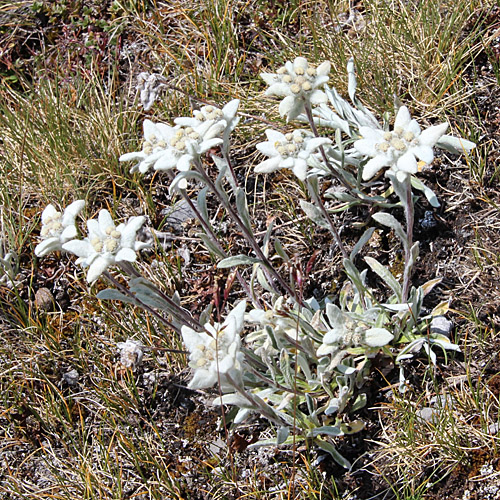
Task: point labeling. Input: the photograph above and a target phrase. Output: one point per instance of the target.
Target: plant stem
(265, 410)
(314, 129)
(225, 154)
(178, 311)
(209, 231)
(410, 217)
(247, 234)
(333, 229)
(126, 291)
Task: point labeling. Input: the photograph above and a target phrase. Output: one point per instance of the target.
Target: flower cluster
(215, 353)
(57, 227)
(348, 329)
(106, 244)
(298, 83)
(225, 116)
(292, 150)
(165, 147)
(400, 148)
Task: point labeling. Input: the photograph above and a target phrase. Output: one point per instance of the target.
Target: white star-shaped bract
(347, 329)
(106, 244)
(400, 148)
(154, 146)
(57, 227)
(186, 144)
(211, 113)
(291, 150)
(298, 83)
(214, 354)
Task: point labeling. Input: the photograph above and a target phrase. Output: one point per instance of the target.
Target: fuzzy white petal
(48, 211)
(125, 254)
(267, 148)
(97, 268)
(68, 233)
(408, 163)
(105, 220)
(403, 117)
(300, 169)
(373, 166)
(47, 246)
(81, 248)
(137, 155)
(72, 211)
(269, 165)
(269, 78)
(430, 136)
(324, 68)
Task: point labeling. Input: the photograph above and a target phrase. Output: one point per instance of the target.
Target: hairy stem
(126, 291)
(176, 310)
(333, 229)
(213, 237)
(410, 218)
(247, 235)
(314, 129)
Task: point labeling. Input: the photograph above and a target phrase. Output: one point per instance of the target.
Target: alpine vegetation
(298, 362)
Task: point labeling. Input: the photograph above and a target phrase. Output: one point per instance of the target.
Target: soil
(459, 242)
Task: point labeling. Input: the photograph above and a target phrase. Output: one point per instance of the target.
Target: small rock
(429, 221)
(178, 214)
(426, 413)
(71, 377)
(44, 300)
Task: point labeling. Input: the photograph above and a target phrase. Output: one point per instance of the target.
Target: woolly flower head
(57, 227)
(167, 147)
(292, 150)
(106, 244)
(298, 83)
(215, 353)
(226, 115)
(348, 330)
(400, 148)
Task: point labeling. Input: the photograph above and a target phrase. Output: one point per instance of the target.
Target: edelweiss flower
(216, 115)
(298, 83)
(291, 151)
(347, 330)
(154, 147)
(166, 147)
(215, 352)
(57, 228)
(186, 144)
(400, 148)
(106, 244)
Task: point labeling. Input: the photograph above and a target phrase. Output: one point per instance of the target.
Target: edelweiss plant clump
(297, 362)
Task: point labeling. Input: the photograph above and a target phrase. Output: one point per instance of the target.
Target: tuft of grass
(415, 51)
